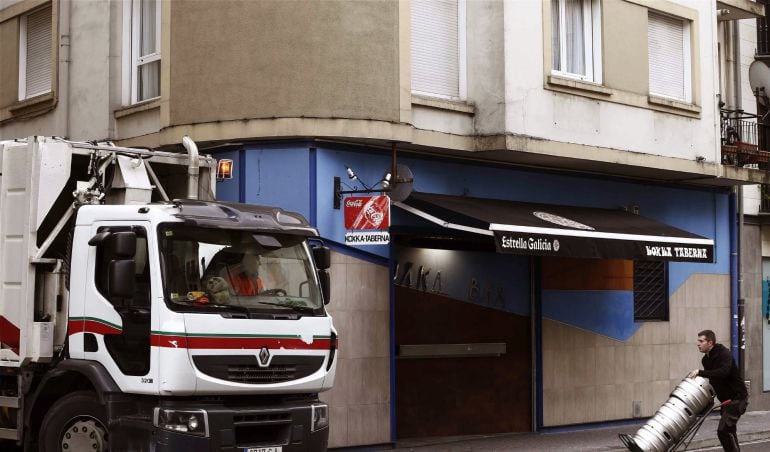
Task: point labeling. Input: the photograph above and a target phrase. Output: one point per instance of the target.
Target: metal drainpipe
(741, 305)
(192, 167)
(64, 63)
(533, 343)
(738, 306)
(733, 211)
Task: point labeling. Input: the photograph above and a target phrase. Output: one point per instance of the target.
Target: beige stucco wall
(82, 53)
(275, 58)
(9, 55)
(591, 378)
(89, 71)
(625, 50)
(360, 399)
(485, 65)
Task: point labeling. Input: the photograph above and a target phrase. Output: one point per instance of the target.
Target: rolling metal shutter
(435, 47)
(38, 54)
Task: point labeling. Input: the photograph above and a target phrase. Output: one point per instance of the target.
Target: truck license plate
(264, 449)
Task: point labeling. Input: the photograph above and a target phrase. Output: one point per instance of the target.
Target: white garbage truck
(139, 314)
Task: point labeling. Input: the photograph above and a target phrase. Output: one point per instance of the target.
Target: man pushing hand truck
(677, 421)
(722, 372)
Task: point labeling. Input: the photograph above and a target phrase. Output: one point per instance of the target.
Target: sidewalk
(754, 425)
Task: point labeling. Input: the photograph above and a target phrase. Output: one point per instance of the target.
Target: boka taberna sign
(600, 248)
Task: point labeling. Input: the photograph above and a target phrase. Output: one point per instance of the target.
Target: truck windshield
(238, 273)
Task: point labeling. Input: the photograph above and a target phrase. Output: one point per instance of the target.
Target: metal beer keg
(690, 398)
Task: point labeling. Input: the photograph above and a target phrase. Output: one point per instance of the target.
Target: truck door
(120, 319)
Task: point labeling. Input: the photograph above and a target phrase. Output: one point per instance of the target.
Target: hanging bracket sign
(367, 219)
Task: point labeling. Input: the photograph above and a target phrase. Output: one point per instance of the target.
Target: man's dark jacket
(720, 369)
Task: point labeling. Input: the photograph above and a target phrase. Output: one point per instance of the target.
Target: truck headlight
(320, 413)
(192, 422)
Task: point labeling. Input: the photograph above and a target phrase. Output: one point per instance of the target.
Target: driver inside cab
(244, 277)
(227, 277)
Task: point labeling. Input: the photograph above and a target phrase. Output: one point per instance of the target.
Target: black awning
(562, 231)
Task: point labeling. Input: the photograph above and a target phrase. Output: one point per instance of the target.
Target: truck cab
(200, 299)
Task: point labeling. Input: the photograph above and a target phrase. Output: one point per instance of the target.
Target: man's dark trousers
(723, 374)
(727, 425)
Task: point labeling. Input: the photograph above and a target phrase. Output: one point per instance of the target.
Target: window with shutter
(438, 48)
(668, 40)
(35, 53)
(576, 39)
(142, 31)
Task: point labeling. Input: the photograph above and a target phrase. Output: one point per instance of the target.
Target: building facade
(599, 107)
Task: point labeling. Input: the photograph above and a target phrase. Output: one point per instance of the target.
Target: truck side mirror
(120, 279)
(326, 284)
(322, 257)
(122, 244)
(99, 238)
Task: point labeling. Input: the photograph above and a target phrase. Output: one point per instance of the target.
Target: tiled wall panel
(360, 399)
(591, 378)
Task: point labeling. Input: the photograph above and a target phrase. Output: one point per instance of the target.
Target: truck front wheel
(75, 422)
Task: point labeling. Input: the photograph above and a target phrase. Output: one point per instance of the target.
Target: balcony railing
(744, 139)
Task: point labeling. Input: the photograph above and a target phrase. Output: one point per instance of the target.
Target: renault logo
(264, 356)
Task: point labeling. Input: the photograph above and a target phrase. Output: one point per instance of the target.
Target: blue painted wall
(300, 179)
(279, 176)
(607, 312)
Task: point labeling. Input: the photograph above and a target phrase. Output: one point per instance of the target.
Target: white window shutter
(38, 54)
(435, 47)
(668, 57)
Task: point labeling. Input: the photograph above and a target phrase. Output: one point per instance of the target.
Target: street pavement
(753, 432)
(754, 427)
(759, 446)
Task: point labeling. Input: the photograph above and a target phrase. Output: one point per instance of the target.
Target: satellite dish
(759, 79)
(403, 184)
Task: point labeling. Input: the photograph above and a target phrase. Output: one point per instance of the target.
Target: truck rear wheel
(76, 422)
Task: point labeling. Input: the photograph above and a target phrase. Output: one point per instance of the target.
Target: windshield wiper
(294, 307)
(219, 308)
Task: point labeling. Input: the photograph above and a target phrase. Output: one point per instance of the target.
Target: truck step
(9, 433)
(10, 402)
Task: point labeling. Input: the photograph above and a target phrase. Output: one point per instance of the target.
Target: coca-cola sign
(367, 213)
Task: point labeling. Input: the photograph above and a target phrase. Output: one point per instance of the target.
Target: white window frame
(462, 63)
(23, 57)
(686, 53)
(592, 33)
(132, 13)
(23, 95)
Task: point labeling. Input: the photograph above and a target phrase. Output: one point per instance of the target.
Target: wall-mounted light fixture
(224, 169)
(384, 185)
(398, 188)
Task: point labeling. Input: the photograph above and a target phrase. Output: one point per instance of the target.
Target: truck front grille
(245, 368)
(256, 374)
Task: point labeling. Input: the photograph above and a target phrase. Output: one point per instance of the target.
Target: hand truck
(686, 437)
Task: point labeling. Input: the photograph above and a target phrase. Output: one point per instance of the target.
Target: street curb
(712, 442)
